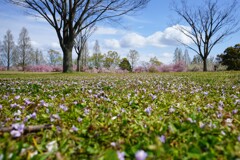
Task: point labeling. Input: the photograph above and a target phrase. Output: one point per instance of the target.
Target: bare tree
(70, 17)
(97, 57)
(8, 48)
(85, 57)
(178, 56)
(81, 42)
(111, 59)
(186, 57)
(54, 57)
(1, 54)
(38, 57)
(133, 57)
(210, 23)
(24, 49)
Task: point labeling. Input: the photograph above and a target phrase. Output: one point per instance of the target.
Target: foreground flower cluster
(127, 116)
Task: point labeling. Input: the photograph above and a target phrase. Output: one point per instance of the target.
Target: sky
(151, 32)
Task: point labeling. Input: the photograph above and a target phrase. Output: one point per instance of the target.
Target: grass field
(120, 116)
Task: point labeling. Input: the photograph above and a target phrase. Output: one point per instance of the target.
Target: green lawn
(98, 116)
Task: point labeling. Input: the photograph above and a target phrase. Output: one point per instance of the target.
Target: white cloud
(112, 43)
(166, 57)
(106, 31)
(169, 37)
(35, 44)
(133, 40)
(55, 45)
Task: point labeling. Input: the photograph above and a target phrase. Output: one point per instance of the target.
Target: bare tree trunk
(67, 60)
(83, 63)
(8, 61)
(78, 62)
(205, 64)
(23, 63)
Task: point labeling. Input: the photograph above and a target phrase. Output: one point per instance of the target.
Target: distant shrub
(16, 68)
(57, 69)
(153, 69)
(179, 67)
(195, 68)
(140, 69)
(165, 68)
(104, 70)
(121, 71)
(221, 68)
(38, 68)
(2, 68)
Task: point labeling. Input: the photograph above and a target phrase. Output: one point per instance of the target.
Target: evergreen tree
(125, 65)
(186, 57)
(230, 58)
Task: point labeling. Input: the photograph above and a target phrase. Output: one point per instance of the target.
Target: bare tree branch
(35, 128)
(210, 23)
(70, 17)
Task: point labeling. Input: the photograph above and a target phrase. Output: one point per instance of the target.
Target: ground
(111, 116)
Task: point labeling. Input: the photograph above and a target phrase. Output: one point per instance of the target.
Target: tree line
(210, 22)
(22, 54)
(19, 54)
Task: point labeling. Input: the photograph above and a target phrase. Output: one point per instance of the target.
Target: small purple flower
(120, 155)
(0, 106)
(54, 117)
(201, 125)
(15, 133)
(13, 105)
(190, 120)
(238, 138)
(17, 129)
(123, 110)
(162, 138)
(75, 102)
(33, 115)
(221, 103)
(235, 111)
(171, 110)
(43, 103)
(219, 115)
(74, 128)
(223, 133)
(148, 110)
(205, 93)
(59, 129)
(220, 108)
(18, 113)
(26, 118)
(79, 119)
(114, 144)
(153, 97)
(63, 107)
(27, 101)
(86, 111)
(140, 155)
(237, 102)
(16, 97)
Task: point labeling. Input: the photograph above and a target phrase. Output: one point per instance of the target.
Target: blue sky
(150, 31)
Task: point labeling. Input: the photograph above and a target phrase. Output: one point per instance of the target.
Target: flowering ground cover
(120, 116)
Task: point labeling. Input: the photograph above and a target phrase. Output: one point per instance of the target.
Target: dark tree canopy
(230, 58)
(70, 17)
(210, 23)
(125, 65)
